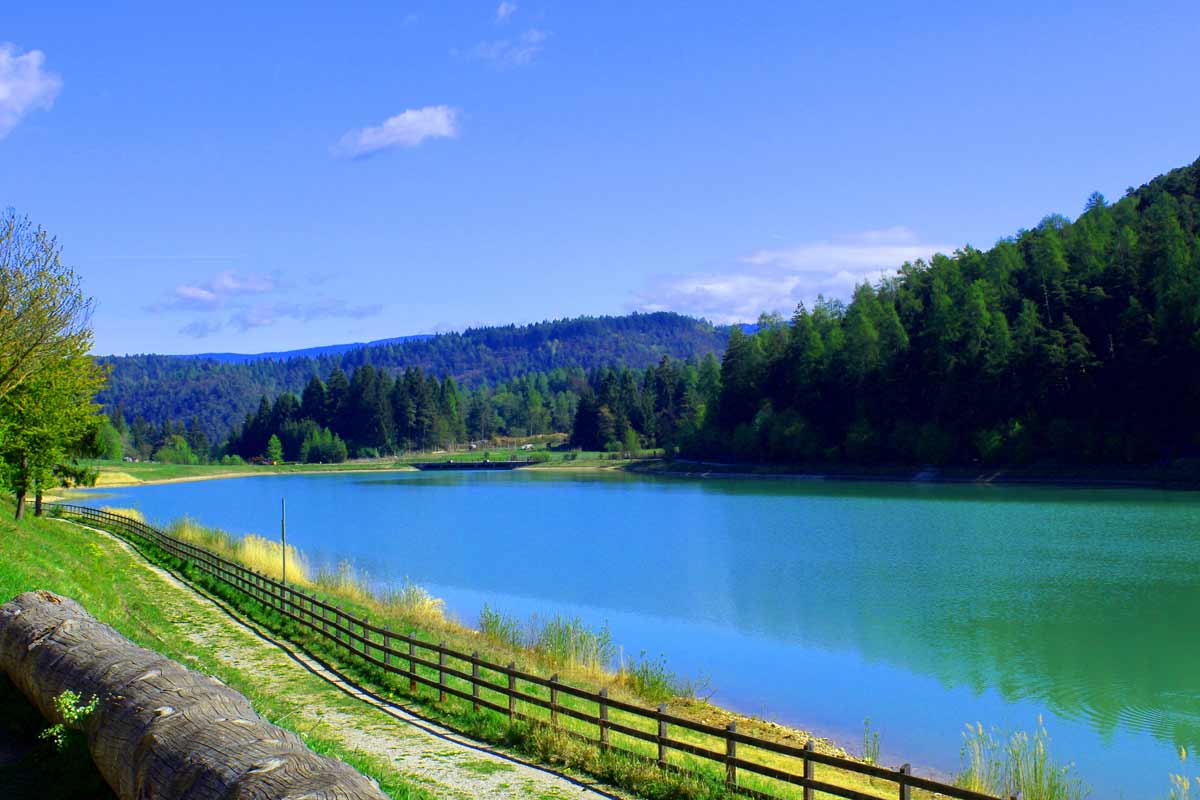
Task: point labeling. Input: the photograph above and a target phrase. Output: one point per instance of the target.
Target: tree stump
(160, 730)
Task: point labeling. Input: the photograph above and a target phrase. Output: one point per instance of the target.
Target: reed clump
(560, 640)
(1181, 783)
(567, 643)
(254, 551)
(132, 513)
(1016, 764)
(413, 602)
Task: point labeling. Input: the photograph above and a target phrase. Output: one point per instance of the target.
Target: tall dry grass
(408, 601)
(254, 551)
(1016, 764)
(1181, 782)
(132, 513)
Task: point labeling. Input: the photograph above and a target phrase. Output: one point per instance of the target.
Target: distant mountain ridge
(217, 390)
(306, 352)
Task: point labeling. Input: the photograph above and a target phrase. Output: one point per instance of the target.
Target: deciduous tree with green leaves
(47, 378)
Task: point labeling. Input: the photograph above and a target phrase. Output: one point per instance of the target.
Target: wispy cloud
(212, 294)
(202, 328)
(24, 85)
(407, 129)
(514, 52)
(262, 315)
(777, 279)
(504, 11)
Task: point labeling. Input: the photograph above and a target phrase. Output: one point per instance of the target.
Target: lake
(922, 607)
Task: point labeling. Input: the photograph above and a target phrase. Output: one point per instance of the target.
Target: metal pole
(283, 534)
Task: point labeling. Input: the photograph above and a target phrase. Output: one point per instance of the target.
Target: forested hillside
(1074, 342)
(213, 396)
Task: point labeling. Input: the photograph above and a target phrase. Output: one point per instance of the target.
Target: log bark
(160, 731)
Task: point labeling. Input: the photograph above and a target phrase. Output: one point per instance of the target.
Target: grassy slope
(41, 554)
(118, 473)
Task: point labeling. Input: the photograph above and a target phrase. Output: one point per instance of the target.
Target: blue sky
(228, 178)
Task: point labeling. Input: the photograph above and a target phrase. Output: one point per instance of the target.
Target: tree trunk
(37, 502)
(22, 486)
(160, 731)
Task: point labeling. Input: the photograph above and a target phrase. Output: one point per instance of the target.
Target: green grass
(123, 473)
(42, 554)
(115, 473)
(484, 767)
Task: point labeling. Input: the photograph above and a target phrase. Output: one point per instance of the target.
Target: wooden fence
(749, 765)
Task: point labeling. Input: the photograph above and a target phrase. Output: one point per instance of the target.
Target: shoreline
(999, 476)
(1163, 478)
(224, 475)
(113, 476)
(1187, 479)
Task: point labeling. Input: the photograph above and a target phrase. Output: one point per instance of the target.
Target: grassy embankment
(124, 473)
(554, 646)
(43, 554)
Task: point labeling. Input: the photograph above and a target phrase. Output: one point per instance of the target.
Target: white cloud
(24, 85)
(778, 279)
(512, 52)
(504, 11)
(211, 295)
(407, 129)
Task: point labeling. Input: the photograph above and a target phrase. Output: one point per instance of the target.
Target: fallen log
(160, 731)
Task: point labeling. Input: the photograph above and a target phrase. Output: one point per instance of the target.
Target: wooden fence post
(512, 691)
(412, 665)
(808, 770)
(475, 681)
(387, 647)
(604, 719)
(730, 755)
(662, 735)
(366, 637)
(441, 672)
(554, 700)
(905, 789)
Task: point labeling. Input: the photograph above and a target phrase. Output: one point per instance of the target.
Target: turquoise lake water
(821, 604)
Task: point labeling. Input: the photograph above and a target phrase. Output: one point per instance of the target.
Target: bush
(176, 451)
(323, 446)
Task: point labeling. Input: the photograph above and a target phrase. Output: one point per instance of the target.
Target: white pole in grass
(283, 534)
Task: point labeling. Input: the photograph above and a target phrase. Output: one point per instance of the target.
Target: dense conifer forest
(214, 395)
(1072, 342)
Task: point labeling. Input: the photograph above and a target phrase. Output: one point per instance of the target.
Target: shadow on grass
(34, 769)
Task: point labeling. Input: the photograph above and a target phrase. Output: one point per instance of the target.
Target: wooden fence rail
(516, 694)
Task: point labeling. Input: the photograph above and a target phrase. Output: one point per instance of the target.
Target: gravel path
(423, 752)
